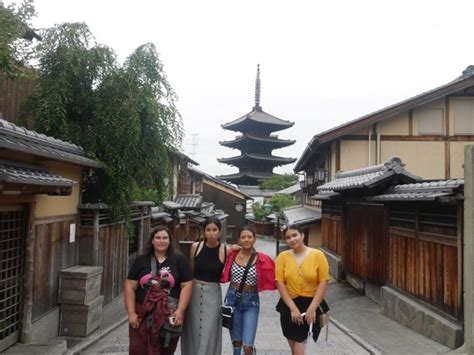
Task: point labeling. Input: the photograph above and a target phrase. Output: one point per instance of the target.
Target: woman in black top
(160, 251)
(202, 334)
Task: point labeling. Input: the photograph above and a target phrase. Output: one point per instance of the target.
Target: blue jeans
(245, 317)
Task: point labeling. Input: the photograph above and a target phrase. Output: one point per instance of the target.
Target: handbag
(227, 312)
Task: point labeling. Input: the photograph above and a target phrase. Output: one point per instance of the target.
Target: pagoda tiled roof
(251, 174)
(265, 157)
(250, 137)
(259, 116)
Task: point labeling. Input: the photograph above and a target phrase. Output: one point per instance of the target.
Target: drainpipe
(370, 147)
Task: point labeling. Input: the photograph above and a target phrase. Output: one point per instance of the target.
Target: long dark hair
(211, 220)
(172, 251)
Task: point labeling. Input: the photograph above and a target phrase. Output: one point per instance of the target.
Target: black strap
(238, 294)
(153, 265)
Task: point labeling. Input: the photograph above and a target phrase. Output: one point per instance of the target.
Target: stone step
(53, 347)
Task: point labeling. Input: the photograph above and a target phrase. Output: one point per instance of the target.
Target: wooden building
(224, 196)
(40, 188)
(256, 143)
(398, 240)
(427, 131)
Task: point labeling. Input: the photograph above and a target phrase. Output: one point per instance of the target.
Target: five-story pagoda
(255, 143)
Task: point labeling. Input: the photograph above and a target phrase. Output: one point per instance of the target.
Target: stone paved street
(269, 337)
(270, 340)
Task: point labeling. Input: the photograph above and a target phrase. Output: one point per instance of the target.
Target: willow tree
(123, 115)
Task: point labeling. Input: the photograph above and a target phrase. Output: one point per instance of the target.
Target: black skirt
(296, 332)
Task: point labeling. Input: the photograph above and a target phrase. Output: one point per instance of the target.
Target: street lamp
(269, 209)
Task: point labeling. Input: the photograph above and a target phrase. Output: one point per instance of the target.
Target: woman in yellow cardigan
(302, 276)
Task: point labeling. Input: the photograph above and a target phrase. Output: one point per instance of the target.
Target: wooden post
(468, 275)
(95, 239)
(141, 230)
(28, 279)
(468, 251)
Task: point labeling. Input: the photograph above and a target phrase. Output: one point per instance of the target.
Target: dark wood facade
(425, 243)
(13, 93)
(414, 247)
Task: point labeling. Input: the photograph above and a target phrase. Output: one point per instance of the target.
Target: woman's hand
(133, 320)
(235, 247)
(296, 316)
(310, 316)
(178, 317)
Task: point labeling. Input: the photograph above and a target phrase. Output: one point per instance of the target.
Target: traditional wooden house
(182, 181)
(398, 240)
(224, 196)
(40, 188)
(427, 131)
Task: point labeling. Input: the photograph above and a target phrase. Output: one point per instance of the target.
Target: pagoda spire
(257, 90)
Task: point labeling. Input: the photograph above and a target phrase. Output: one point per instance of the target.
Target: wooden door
(356, 241)
(12, 249)
(366, 242)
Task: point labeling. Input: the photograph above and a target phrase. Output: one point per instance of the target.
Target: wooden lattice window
(12, 238)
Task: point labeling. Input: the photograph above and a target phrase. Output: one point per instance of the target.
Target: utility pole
(194, 144)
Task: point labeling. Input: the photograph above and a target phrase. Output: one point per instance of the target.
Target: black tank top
(207, 265)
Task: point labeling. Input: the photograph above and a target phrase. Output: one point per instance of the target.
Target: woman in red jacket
(260, 277)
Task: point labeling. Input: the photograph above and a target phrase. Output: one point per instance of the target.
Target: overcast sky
(323, 63)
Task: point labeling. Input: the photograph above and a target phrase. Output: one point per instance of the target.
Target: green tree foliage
(125, 116)
(280, 202)
(259, 211)
(279, 182)
(16, 46)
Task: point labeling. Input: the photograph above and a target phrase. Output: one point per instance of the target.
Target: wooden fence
(52, 252)
(425, 258)
(107, 244)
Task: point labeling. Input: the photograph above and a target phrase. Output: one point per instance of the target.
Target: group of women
(300, 274)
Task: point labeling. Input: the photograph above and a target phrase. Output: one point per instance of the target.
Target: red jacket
(265, 271)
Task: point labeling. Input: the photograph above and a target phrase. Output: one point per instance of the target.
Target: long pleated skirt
(202, 331)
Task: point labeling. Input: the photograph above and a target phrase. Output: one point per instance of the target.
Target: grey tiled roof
(291, 190)
(20, 139)
(171, 205)
(218, 181)
(301, 215)
(252, 174)
(189, 200)
(255, 191)
(253, 138)
(260, 116)
(267, 157)
(19, 173)
(422, 191)
(369, 176)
